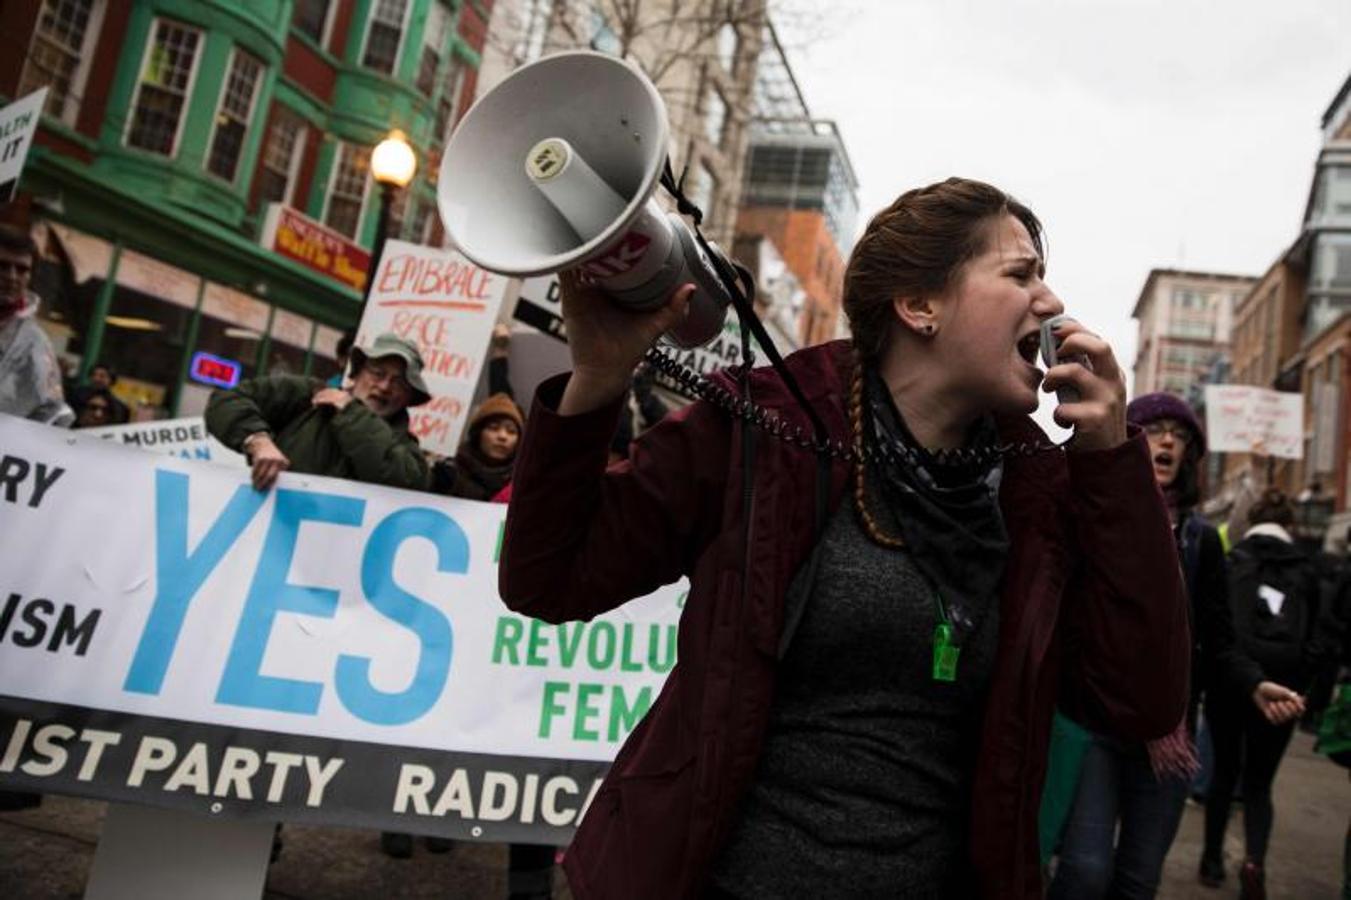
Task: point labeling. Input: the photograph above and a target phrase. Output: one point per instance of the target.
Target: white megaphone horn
(555, 168)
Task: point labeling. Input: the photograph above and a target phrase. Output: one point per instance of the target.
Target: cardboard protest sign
(326, 651)
(1241, 418)
(18, 124)
(447, 306)
(186, 438)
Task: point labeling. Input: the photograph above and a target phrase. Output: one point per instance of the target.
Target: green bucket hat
(390, 344)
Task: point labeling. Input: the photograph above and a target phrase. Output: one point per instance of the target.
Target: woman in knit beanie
(482, 466)
(1145, 786)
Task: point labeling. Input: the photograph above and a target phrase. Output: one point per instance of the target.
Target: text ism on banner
(190, 641)
(447, 306)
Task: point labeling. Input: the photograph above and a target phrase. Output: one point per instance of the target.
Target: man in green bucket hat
(292, 423)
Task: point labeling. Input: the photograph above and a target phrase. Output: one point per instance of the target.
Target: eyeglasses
(1181, 433)
(18, 268)
(385, 374)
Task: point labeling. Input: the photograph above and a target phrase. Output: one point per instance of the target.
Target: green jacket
(354, 443)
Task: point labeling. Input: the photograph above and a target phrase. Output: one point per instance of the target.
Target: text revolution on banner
(327, 651)
(447, 306)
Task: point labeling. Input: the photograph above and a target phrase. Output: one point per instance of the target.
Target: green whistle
(945, 653)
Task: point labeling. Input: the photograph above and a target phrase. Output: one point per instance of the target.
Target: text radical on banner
(322, 609)
(246, 773)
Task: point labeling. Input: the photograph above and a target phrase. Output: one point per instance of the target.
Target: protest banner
(186, 438)
(18, 124)
(326, 651)
(540, 308)
(1242, 418)
(446, 305)
(722, 352)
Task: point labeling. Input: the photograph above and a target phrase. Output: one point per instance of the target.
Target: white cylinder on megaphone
(555, 168)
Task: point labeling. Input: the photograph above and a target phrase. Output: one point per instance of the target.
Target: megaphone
(556, 167)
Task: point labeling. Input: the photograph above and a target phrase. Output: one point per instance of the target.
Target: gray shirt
(863, 786)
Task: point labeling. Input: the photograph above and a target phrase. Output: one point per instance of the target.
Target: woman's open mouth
(1028, 346)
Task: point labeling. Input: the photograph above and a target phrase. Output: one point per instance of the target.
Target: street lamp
(393, 164)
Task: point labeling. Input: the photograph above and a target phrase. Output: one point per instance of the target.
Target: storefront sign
(18, 124)
(446, 305)
(158, 279)
(1241, 418)
(315, 246)
(325, 651)
(215, 370)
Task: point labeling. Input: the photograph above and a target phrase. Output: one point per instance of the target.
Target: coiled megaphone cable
(740, 284)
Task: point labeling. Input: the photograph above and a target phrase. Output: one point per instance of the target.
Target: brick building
(199, 181)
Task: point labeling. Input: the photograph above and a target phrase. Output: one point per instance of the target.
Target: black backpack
(1273, 598)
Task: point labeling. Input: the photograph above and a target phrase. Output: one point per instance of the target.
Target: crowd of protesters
(885, 653)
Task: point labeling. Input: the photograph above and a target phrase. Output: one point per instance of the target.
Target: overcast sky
(1144, 134)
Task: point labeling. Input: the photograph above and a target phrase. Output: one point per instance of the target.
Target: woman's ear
(916, 314)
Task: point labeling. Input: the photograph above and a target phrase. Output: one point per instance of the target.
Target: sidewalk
(46, 853)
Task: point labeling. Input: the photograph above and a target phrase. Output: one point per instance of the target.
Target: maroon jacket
(1092, 615)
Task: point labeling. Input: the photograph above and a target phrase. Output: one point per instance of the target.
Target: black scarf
(477, 478)
(948, 516)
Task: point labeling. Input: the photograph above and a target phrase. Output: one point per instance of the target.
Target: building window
(233, 114)
(536, 20)
(420, 231)
(385, 35)
(281, 157)
(166, 78)
(728, 43)
(433, 45)
(58, 56)
(715, 116)
(311, 18)
(448, 105)
(347, 193)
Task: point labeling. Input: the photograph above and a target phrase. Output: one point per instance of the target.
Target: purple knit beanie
(1162, 405)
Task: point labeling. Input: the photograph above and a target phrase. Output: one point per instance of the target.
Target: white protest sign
(1242, 418)
(722, 352)
(18, 124)
(447, 306)
(186, 438)
(324, 651)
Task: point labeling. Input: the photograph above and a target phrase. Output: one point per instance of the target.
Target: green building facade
(172, 128)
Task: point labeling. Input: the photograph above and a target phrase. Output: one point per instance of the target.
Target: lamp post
(393, 164)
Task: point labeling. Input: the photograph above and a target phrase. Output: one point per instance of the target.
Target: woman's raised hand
(1098, 417)
(607, 341)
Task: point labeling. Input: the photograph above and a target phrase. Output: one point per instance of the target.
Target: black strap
(795, 604)
(740, 285)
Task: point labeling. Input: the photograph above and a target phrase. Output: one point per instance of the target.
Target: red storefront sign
(315, 246)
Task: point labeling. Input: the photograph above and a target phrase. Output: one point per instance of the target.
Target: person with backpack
(1273, 596)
